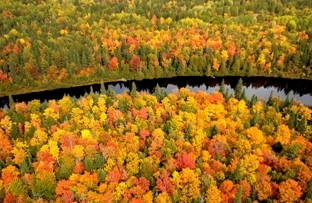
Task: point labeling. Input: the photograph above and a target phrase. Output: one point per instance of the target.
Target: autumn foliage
(187, 147)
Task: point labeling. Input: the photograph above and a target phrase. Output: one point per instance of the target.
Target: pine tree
(133, 92)
(308, 195)
(237, 175)
(160, 93)
(11, 102)
(111, 93)
(215, 130)
(101, 175)
(243, 95)
(62, 172)
(238, 89)
(227, 94)
(103, 90)
(188, 132)
(254, 119)
(222, 88)
(253, 100)
(25, 167)
(14, 133)
(239, 194)
(270, 100)
(99, 161)
(302, 125)
(88, 164)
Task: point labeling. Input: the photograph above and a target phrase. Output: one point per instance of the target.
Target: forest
(63, 43)
(139, 147)
(142, 148)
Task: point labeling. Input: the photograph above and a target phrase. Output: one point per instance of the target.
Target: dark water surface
(260, 86)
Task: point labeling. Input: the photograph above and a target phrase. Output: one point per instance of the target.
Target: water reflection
(260, 86)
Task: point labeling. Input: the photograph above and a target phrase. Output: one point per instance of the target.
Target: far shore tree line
(51, 44)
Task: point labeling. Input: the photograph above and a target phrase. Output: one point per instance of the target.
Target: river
(260, 86)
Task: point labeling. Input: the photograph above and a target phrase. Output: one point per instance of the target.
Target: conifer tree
(111, 93)
(237, 175)
(239, 194)
(243, 95)
(133, 92)
(309, 191)
(101, 175)
(62, 172)
(160, 93)
(103, 90)
(222, 88)
(238, 89)
(302, 125)
(11, 102)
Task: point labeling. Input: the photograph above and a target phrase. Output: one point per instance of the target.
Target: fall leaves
(157, 39)
(182, 147)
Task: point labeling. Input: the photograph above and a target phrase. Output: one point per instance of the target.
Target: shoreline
(67, 85)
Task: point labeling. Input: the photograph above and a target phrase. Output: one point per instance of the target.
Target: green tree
(239, 194)
(62, 172)
(222, 88)
(103, 90)
(11, 102)
(160, 93)
(111, 93)
(101, 175)
(133, 92)
(238, 89)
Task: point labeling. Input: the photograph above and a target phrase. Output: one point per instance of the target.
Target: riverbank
(71, 83)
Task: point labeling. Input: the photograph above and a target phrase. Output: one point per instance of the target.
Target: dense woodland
(61, 43)
(138, 147)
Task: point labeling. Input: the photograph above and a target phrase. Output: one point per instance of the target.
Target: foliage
(55, 44)
(185, 147)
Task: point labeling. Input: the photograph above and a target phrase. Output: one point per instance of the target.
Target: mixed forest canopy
(138, 147)
(61, 43)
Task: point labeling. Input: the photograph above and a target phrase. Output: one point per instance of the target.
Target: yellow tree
(213, 195)
(187, 185)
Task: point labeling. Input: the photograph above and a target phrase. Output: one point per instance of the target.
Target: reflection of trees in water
(299, 87)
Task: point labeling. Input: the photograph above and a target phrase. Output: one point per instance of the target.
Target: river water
(260, 86)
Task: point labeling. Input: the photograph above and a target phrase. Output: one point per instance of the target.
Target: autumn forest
(140, 147)
(62, 43)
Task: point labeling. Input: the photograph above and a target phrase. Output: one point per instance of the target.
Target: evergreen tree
(302, 125)
(254, 119)
(111, 93)
(227, 95)
(25, 166)
(11, 102)
(88, 164)
(222, 88)
(239, 194)
(237, 175)
(160, 93)
(101, 175)
(288, 102)
(99, 161)
(14, 133)
(308, 194)
(215, 130)
(243, 95)
(238, 89)
(133, 92)
(253, 100)
(103, 90)
(270, 100)
(188, 132)
(62, 172)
